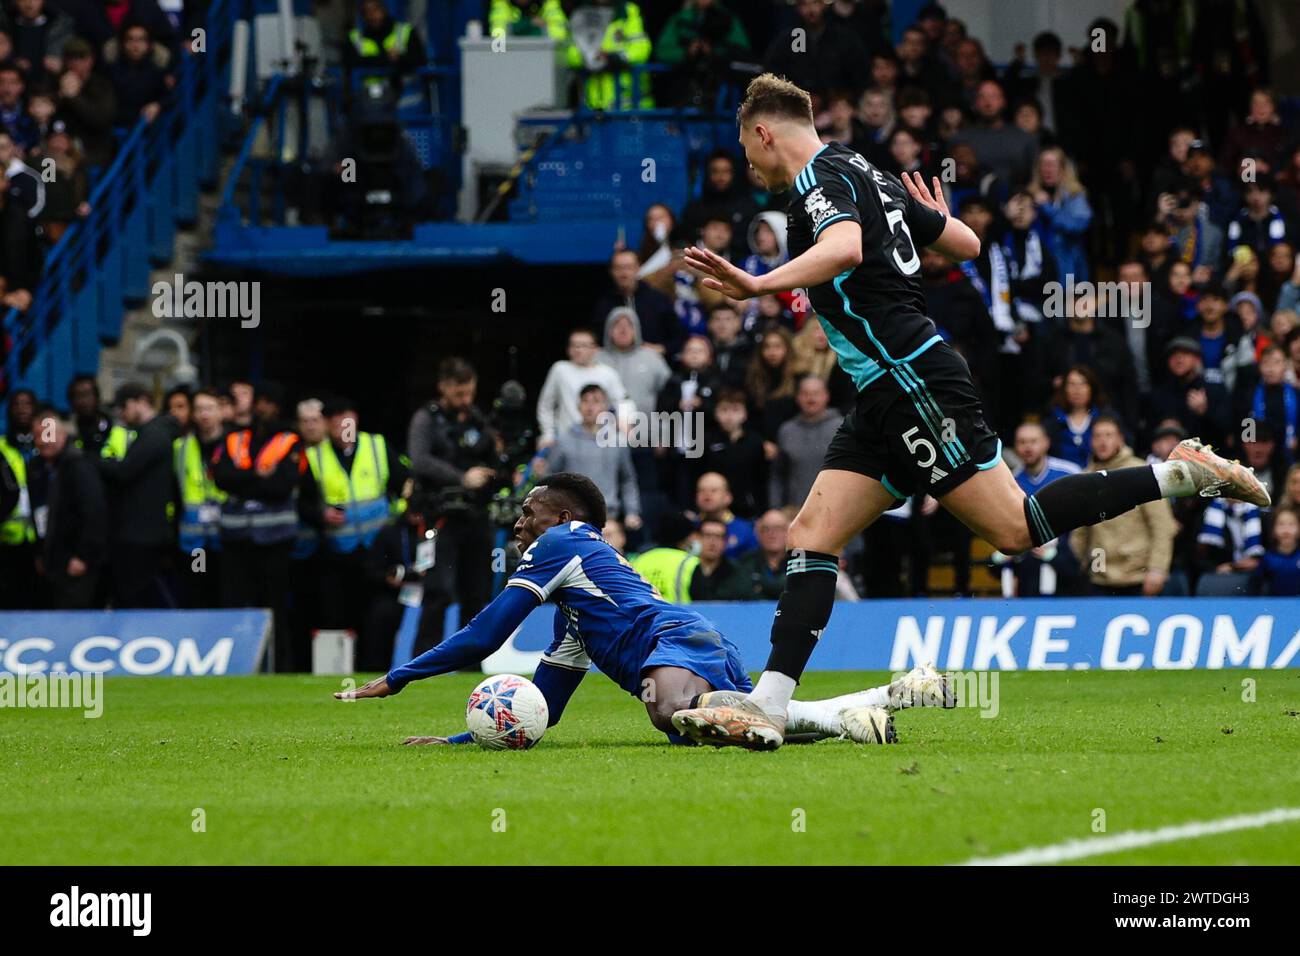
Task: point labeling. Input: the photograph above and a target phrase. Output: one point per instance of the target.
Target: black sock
(803, 611)
(1077, 500)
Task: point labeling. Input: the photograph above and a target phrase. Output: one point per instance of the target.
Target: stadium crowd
(75, 75)
(1137, 197)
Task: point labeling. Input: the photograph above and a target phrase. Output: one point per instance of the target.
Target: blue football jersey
(606, 613)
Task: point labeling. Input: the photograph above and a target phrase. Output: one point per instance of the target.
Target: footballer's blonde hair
(772, 95)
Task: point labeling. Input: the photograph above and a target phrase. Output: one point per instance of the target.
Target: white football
(506, 712)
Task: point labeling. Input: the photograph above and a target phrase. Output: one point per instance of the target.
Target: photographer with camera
(454, 454)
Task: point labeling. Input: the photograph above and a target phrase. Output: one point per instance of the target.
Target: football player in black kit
(854, 236)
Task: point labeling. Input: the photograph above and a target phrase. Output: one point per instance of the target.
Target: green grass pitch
(284, 774)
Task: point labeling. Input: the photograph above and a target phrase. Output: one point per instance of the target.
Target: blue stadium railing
(101, 264)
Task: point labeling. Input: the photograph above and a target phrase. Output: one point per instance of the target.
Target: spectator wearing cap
(1201, 407)
(357, 480)
(74, 540)
(260, 468)
(86, 102)
(141, 504)
(1205, 182)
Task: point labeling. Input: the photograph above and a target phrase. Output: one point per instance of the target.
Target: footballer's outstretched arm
(957, 242)
(490, 628)
(837, 249)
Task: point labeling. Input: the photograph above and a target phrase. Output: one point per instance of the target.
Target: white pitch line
(1134, 839)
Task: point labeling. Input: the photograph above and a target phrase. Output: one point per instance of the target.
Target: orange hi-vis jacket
(252, 519)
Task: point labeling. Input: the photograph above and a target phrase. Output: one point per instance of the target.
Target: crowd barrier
(1026, 634)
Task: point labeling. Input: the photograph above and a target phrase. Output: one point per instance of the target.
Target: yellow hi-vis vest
(120, 438)
(362, 493)
(17, 527)
(506, 19)
(399, 38)
(626, 37)
(201, 499)
(669, 571)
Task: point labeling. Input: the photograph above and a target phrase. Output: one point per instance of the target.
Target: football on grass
(506, 712)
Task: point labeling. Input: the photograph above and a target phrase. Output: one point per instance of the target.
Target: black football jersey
(874, 314)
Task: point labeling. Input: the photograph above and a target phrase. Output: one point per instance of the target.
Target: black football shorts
(918, 428)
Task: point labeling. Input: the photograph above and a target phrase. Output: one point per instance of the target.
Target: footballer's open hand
(915, 184)
(412, 741)
(375, 688)
(721, 275)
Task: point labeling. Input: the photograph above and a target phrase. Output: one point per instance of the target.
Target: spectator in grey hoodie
(642, 370)
(592, 448)
(802, 442)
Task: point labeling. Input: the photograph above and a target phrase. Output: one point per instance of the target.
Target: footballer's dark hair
(587, 501)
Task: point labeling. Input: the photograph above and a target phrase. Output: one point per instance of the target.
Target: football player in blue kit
(608, 615)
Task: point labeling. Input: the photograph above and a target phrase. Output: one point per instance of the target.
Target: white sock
(875, 697)
(812, 717)
(1174, 479)
(773, 692)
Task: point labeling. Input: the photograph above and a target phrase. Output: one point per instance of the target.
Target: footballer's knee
(802, 536)
(661, 713)
(1013, 538)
